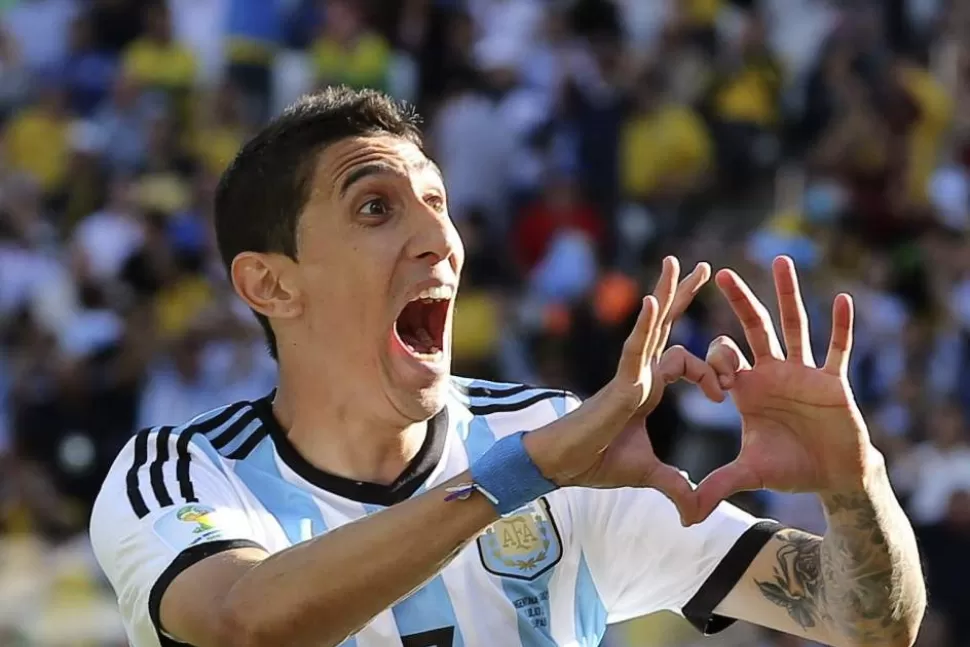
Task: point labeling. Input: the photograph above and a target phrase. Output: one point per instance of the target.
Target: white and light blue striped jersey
(554, 573)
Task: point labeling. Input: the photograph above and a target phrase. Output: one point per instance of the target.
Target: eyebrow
(379, 168)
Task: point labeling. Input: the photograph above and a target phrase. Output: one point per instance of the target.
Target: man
(373, 500)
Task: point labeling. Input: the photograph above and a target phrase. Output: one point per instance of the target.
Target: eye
(435, 201)
(375, 207)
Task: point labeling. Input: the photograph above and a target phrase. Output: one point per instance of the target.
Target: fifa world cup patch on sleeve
(522, 545)
(188, 525)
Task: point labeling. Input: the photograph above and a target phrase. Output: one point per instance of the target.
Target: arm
(325, 589)
(859, 585)
(198, 566)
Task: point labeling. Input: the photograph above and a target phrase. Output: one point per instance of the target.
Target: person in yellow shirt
(158, 62)
(37, 142)
(665, 149)
(221, 131)
(934, 115)
(749, 92)
(744, 102)
(347, 52)
(697, 20)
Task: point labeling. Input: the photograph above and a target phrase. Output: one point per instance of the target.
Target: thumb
(723, 483)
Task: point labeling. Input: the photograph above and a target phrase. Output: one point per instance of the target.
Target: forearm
(872, 582)
(326, 589)
(861, 584)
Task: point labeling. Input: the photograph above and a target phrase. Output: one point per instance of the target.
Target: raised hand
(801, 428)
(604, 443)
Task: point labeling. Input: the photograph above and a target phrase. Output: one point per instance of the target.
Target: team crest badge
(522, 545)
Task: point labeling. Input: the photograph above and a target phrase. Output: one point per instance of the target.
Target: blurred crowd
(581, 140)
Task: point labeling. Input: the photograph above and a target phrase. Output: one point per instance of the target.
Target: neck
(344, 439)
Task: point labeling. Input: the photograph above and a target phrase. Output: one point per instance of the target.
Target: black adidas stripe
(182, 464)
(228, 435)
(155, 474)
(183, 457)
(249, 444)
(496, 391)
(219, 419)
(141, 457)
(506, 407)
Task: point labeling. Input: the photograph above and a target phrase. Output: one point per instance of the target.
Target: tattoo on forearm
(853, 583)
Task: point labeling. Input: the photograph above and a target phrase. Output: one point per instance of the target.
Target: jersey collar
(404, 486)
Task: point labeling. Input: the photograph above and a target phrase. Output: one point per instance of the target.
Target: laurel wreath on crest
(534, 561)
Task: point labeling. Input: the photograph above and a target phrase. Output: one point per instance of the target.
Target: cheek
(350, 301)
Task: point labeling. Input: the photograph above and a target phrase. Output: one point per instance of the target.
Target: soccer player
(373, 500)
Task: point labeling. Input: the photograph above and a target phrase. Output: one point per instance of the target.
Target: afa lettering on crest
(522, 545)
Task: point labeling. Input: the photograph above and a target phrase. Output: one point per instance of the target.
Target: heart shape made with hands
(801, 428)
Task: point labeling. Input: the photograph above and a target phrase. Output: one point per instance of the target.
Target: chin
(422, 403)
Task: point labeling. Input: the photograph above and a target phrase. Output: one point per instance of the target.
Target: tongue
(420, 341)
(425, 339)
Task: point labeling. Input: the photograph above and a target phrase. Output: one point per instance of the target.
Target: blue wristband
(508, 476)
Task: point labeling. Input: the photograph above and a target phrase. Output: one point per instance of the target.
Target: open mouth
(421, 325)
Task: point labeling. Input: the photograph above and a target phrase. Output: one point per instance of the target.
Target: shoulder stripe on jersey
(217, 420)
(494, 391)
(249, 444)
(141, 457)
(506, 407)
(184, 460)
(156, 476)
(228, 435)
(183, 456)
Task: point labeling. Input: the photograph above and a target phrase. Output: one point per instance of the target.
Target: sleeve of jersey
(642, 560)
(165, 506)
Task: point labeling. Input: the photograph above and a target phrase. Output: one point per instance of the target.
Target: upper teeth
(441, 292)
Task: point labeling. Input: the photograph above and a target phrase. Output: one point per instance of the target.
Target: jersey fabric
(556, 572)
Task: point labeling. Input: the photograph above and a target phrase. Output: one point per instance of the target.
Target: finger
(726, 358)
(840, 345)
(664, 291)
(678, 363)
(794, 319)
(677, 488)
(684, 296)
(723, 483)
(635, 349)
(752, 314)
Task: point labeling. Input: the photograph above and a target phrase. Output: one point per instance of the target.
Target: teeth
(438, 293)
(433, 354)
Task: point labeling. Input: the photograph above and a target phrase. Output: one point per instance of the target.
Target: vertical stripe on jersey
(590, 611)
(290, 505)
(381, 631)
(293, 508)
(480, 438)
(426, 609)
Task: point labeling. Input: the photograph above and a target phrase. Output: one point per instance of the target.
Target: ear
(268, 284)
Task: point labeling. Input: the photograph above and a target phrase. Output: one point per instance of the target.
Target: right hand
(603, 443)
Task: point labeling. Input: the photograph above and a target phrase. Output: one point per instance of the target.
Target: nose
(435, 238)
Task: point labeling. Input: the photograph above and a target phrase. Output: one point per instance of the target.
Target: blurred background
(581, 140)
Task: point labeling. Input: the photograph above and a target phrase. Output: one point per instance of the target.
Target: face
(377, 270)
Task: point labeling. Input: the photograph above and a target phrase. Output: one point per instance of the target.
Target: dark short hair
(263, 192)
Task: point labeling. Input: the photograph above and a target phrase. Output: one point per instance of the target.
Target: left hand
(801, 429)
